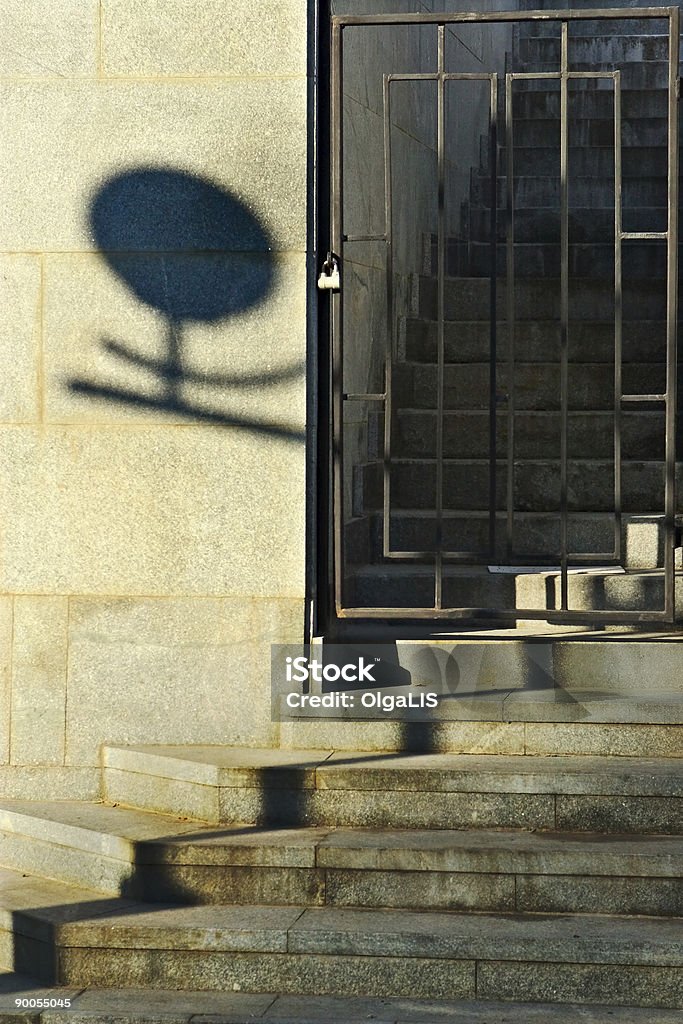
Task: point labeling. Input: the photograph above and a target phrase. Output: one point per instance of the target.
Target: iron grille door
(505, 333)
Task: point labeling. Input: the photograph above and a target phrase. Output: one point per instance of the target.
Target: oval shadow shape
(217, 257)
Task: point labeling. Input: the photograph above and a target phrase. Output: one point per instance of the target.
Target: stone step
(583, 103)
(590, 485)
(534, 191)
(535, 534)
(537, 435)
(159, 1006)
(615, 49)
(359, 789)
(635, 131)
(467, 298)
(346, 952)
(540, 225)
(411, 586)
(538, 259)
(154, 858)
(590, 341)
(536, 385)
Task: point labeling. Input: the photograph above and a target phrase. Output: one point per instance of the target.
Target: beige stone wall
(149, 553)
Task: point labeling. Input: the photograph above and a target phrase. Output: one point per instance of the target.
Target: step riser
(617, 49)
(376, 975)
(468, 299)
(429, 810)
(537, 435)
(608, 27)
(543, 226)
(536, 486)
(591, 132)
(531, 192)
(537, 385)
(466, 883)
(643, 544)
(526, 593)
(582, 104)
(544, 260)
(590, 342)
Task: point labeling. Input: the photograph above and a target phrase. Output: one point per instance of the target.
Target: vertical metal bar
(510, 316)
(564, 310)
(671, 321)
(493, 314)
(618, 318)
(389, 347)
(441, 270)
(337, 383)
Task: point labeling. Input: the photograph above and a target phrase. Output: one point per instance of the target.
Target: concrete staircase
(377, 582)
(462, 879)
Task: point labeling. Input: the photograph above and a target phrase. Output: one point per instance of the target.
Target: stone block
(210, 884)
(556, 894)
(39, 663)
(49, 41)
(619, 740)
(253, 972)
(580, 983)
(420, 890)
(626, 814)
(193, 39)
(74, 866)
(172, 796)
(378, 809)
(36, 782)
(291, 848)
(183, 929)
(456, 737)
(154, 512)
(20, 296)
(220, 133)
(6, 617)
(109, 356)
(176, 671)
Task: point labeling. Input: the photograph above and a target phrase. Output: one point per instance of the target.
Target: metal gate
(504, 365)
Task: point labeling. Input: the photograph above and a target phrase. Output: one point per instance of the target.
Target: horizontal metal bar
(435, 76)
(525, 75)
(592, 74)
(417, 76)
(468, 558)
(643, 398)
(555, 75)
(412, 556)
(365, 398)
(457, 76)
(643, 235)
(364, 238)
(547, 615)
(578, 558)
(661, 13)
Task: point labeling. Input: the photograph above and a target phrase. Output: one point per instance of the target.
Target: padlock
(329, 279)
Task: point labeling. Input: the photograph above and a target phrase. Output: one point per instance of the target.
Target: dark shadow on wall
(196, 254)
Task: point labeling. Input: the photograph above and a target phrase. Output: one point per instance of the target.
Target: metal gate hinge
(329, 279)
